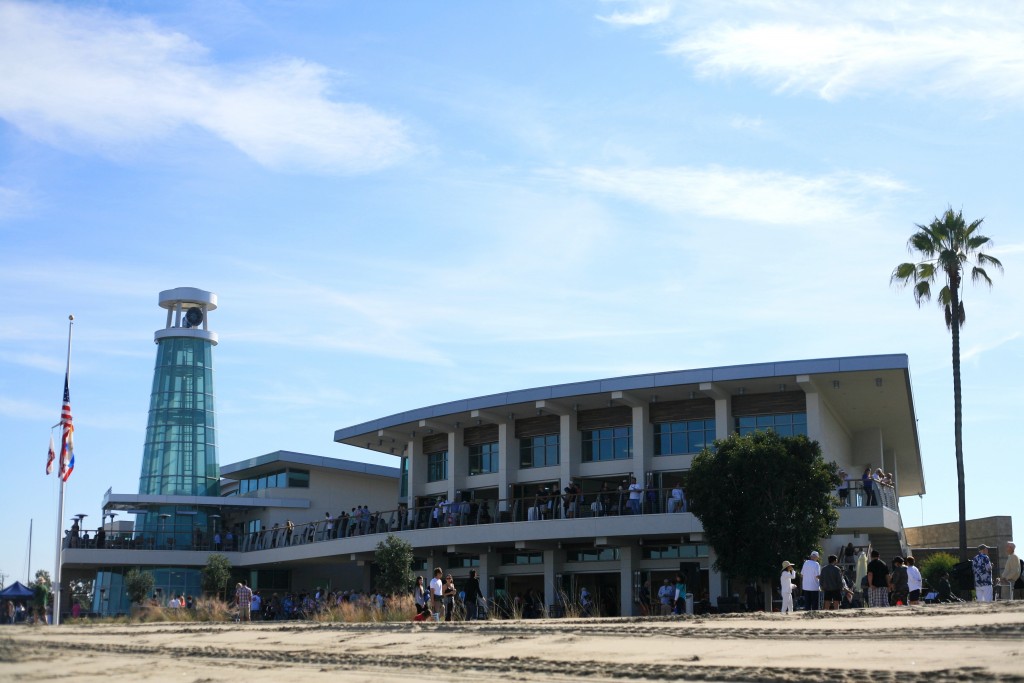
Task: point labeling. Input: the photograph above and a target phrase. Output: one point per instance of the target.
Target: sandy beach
(968, 642)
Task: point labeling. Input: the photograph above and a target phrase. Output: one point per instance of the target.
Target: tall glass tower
(180, 454)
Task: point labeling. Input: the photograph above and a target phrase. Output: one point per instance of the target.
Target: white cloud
(647, 16)
(757, 196)
(77, 78)
(12, 203)
(954, 50)
(746, 123)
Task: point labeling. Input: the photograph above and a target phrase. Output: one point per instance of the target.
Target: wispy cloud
(758, 196)
(22, 410)
(12, 202)
(96, 80)
(645, 16)
(952, 50)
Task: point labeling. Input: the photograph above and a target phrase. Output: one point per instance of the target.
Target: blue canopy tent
(16, 591)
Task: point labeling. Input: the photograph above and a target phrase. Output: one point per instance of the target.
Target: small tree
(138, 584)
(42, 589)
(762, 499)
(936, 566)
(393, 558)
(216, 574)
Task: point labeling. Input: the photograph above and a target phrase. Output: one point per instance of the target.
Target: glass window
(785, 424)
(687, 436)
(522, 558)
(609, 443)
(483, 458)
(674, 552)
(538, 451)
(437, 466)
(592, 555)
(298, 478)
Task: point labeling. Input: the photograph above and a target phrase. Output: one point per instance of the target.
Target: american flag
(67, 441)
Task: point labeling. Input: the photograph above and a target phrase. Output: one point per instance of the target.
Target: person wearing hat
(810, 575)
(786, 586)
(982, 567)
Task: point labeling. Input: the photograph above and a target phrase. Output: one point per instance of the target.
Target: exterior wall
(330, 491)
(992, 531)
(835, 439)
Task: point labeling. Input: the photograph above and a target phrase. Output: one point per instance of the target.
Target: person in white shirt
(786, 586)
(914, 582)
(810, 575)
(636, 492)
(437, 592)
(677, 499)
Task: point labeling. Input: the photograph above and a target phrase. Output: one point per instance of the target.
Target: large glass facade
(437, 466)
(483, 458)
(785, 424)
(538, 451)
(609, 443)
(180, 453)
(685, 436)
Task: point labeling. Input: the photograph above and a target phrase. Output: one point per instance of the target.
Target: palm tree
(946, 248)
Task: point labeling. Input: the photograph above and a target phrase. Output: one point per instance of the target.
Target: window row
(278, 479)
(615, 443)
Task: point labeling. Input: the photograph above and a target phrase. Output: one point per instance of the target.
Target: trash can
(689, 603)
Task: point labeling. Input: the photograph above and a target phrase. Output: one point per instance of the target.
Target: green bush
(935, 566)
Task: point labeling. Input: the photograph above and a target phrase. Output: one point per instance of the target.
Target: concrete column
(629, 561)
(552, 568)
(569, 448)
(723, 418)
(715, 579)
(490, 563)
(458, 462)
(643, 441)
(417, 469)
(815, 431)
(508, 463)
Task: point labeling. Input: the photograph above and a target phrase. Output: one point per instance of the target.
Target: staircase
(888, 545)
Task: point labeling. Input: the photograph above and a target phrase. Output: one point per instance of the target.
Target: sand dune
(930, 643)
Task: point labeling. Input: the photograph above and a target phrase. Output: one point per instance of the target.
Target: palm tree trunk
(958, 417)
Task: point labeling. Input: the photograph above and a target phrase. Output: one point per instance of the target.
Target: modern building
(513, 455)
(188, 506)
(481, 483)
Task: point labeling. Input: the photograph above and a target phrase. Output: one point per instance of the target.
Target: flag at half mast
(67, 440)
(51, 455)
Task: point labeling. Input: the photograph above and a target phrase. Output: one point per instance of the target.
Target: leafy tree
(946, 248)
(216, 574)
(763, 498)
(935, 566)
(42, 589)
(138, 584)
(393, 558)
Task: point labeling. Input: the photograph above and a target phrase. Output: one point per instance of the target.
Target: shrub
(138, 584)
(935, 566)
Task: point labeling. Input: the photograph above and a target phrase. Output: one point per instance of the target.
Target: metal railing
(542, 506)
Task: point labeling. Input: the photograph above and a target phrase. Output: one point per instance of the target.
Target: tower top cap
(170, 298)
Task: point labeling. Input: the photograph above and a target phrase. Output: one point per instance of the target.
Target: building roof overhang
(861, 392)
(264, 463)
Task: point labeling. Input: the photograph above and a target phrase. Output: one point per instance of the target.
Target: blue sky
(406, 203)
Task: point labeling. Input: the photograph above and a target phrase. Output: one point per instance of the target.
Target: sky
(406, 203)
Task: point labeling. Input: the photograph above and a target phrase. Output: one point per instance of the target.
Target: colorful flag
(50, 456)
(67, 441)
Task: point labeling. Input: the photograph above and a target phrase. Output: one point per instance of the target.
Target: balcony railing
(540, 507)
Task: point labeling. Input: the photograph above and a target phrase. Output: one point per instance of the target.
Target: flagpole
(60, 505)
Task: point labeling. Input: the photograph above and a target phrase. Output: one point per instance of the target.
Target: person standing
(1011, 571)
(899, 582)
(636, 492)
(982, 567)
(810, 580)
(437, 592)
(832, 583)
(786, 586)
(878, 582)
(419, 594)
(868, 483)
(472, 592)
(914, 581)
(243, 598)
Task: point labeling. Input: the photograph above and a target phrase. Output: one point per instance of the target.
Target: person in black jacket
(832, 583)
(472, 590)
